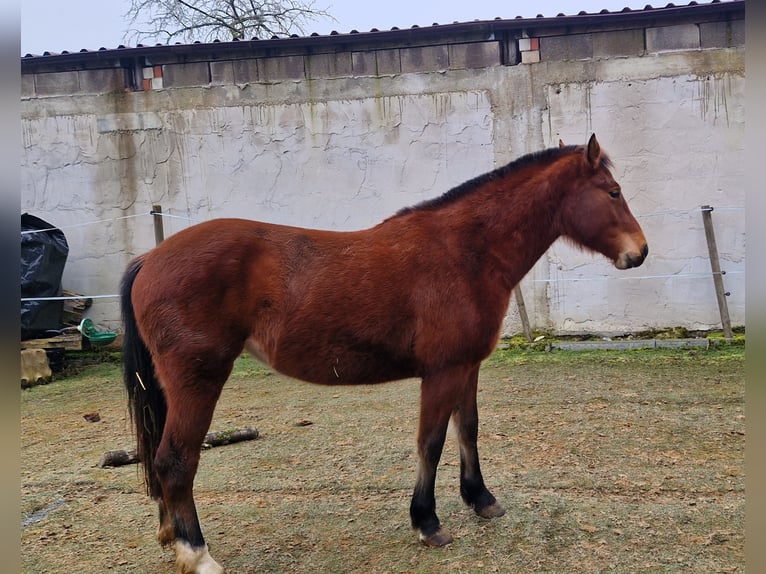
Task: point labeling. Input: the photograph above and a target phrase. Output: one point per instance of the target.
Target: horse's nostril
(645, 250)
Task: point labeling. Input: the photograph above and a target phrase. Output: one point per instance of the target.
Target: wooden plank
(74, 308)
(68, 341)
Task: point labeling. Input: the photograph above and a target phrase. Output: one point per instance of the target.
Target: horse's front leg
(439, 396)
(472, 487)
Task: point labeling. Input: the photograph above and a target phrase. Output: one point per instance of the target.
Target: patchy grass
(606, 462)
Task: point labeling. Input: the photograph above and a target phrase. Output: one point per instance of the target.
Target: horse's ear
(594, 152)
(561, 143)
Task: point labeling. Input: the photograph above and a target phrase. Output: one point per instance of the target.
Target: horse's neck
(520, 226)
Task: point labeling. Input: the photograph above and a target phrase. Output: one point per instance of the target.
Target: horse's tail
(146, 400)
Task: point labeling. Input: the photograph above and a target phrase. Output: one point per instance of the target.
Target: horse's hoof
(190, 560)
(439, 538)
(491, 511)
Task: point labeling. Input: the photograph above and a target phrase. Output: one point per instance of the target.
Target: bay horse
(421, 294)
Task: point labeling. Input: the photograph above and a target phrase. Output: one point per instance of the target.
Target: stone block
(184, 75)
(530, 57)
(529, 44)
(618, 43)
(57, 83)
(103, 81)
(475, 55)
(27, 85)
(570, 47)
(245, 71)
(425, 59)
(722, 34)
(669, 38)
(222, 72)
(281, 68)
(34, 367)
(335, 65)
(364, 63)
(738, 33)
(151, 77)
(389, 61)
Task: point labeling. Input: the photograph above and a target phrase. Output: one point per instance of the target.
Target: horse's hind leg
(472, 487)
(191, 399)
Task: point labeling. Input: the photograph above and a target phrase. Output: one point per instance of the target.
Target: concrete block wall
(333, 65)
(342, 139)
(637, 41)
(98, 81)
(551, 46)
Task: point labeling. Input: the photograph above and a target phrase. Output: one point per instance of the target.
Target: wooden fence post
(522, 312)
(715, 266)
(159, 230)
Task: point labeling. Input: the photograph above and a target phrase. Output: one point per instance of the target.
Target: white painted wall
(673, 124)
(677, 144)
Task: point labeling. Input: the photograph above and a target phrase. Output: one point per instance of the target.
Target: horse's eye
(615, 193)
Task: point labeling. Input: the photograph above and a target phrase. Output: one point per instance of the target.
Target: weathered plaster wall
(346, 152)
(676, 139)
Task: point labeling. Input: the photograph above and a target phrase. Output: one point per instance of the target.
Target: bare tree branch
(207, 20)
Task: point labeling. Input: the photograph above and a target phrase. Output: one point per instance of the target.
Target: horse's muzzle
(629, 260)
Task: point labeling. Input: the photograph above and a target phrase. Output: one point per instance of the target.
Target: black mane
(460, 191)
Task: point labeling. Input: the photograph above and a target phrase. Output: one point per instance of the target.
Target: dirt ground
(605, 461)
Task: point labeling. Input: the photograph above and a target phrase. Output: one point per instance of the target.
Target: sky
(72, 25)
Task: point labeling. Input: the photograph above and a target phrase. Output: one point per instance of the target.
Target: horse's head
(594, 212)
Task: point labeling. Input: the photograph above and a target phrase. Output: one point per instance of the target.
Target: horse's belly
(343, 368)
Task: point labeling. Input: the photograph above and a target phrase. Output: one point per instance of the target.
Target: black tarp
(43, 256)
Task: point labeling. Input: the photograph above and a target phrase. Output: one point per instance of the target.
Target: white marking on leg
(190, 560)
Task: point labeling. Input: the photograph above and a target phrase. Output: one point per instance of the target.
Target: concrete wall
(341, 140)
